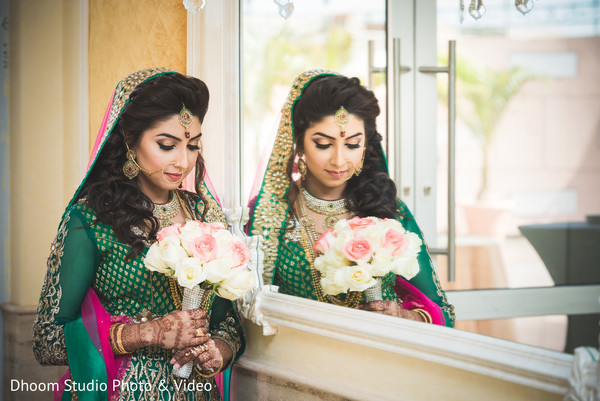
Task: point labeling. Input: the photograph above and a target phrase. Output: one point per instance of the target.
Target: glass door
(278, 43)
(508, 188)
(527, 168)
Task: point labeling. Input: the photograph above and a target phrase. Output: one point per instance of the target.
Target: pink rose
(357, 249)
(241, 254)
(325, 241)
(204, 247)
(358, 223)
(211, 228)
(169, 231)
(395, 241)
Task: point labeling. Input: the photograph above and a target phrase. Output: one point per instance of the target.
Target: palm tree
(482, 96)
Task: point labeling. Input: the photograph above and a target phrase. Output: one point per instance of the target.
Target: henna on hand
(213, 354)
(136, 336)
(391, 308)
(177, 329)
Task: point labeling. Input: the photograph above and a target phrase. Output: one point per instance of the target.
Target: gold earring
(302, 168)
(130, 168)
(362, 162)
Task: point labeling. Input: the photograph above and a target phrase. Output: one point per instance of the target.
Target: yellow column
(37, 134)
(130, 35)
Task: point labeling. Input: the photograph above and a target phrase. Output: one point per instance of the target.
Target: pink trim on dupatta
(413, 298)
(98, 142)
(97, 322)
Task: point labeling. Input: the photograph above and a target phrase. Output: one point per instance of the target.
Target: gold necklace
(165, 212)
(331, 209)
(308, 237)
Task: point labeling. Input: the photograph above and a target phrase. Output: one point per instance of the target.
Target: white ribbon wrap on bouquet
(191, 300)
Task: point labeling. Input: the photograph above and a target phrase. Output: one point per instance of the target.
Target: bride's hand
(210, 357)
(390, 308)
(178, 329)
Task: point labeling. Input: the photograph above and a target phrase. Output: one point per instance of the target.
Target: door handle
(450, 69)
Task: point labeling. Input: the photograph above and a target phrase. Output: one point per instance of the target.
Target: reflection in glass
(331, 34)
(528, 154)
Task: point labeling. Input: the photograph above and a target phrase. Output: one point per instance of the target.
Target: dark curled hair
(117, 200)
(372, 193)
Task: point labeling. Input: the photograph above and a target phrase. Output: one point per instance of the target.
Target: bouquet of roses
(202, 257)
(355, 254)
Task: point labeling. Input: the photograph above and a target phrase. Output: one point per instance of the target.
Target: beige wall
(39, 111)
(129, 35)
(47, 64)
(57, 91)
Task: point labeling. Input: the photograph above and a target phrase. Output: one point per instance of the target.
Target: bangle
(424, 314)
(116, 332)
(216, 372)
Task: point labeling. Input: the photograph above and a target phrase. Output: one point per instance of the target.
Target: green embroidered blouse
(86, 253)
(292, 272)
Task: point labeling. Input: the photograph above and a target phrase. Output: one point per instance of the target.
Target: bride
(327, 135)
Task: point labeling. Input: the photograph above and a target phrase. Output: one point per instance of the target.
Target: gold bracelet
(116, 332)
(424, 314)
(216, 372)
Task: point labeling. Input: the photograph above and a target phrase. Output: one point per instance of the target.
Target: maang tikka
(185, 119)
(342, 117)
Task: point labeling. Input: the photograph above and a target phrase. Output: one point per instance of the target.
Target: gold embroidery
(271, 207)
(48, 336)
(149, 378)
(215, 213)
(122, 93)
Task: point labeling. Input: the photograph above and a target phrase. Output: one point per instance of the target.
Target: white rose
(414, 246)
(335, 258)
(218, 269)
(154, 261)
(406, 266)
(334, 281)
(237, 285)
(382, 262)
(343, 237)
(190, 272)
(189, 232)
(393, 224)
(171, 251)
(331, 259)
(341, 226)
(359, 277)
(374, 234)
(343, 232)
(224, 242)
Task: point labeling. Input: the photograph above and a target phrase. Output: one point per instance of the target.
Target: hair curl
(372, 192)
(117, 200)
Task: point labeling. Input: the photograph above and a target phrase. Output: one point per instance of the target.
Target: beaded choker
(164, 213)
(331, 209)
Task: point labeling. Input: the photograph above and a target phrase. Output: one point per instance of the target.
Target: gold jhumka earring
(342, 117)
(185, 119)
(362, 162)
(130, 168)
(302, 168)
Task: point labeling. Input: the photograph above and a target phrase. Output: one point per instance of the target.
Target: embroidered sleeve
(225, 325)
(426, 280)
(71, 268)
